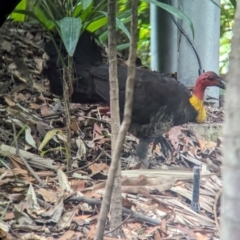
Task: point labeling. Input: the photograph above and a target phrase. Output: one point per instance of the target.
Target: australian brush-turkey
(160, 101)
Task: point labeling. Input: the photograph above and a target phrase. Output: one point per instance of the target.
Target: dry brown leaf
(137, 190)
(143, 180)
(173, 136)
(74, 125)
(200, 236)
(130, 234)
(152, 229)
(81, 217)
(48, 195)
(6, 45)
(39, 64)
(111, 238)
(157, 235)
(42, 128)
(92, 232)
(19, 97)
(97, 131)
(8, 216)
(98, 167)
(164, 225)
(104, 110)
(66, 218)
(94, 194)
(9, 101)
(45, 111)
(20, 171)
(34, 106)
(67, 235)
(186, 231)
(77, 185)
(206, 144)
(126, 203)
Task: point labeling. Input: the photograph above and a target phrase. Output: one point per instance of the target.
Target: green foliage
(19, 17)
(93, 17)
(71, 18)
(228, 8)
(174, 11)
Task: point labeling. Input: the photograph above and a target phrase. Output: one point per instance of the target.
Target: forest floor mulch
(40, 199)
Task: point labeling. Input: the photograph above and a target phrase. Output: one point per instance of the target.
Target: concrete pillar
(163, 40)
(206, 19)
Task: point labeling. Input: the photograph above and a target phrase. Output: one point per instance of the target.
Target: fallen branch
(125, 211)
(33, 159)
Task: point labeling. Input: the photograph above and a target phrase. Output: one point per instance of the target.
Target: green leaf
(234, 3)
(119, 24)
(95, 25)
(31, 14)
(123, 46)
(125, 14)
(174, 11)
(41, 16)
(122, 26)
(86, 4)
(70, 29)
(77, 10)
(86, 13)
(19, 17)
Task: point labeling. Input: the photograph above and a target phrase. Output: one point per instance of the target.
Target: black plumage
(160, 102)
(154, 94)
(87, 55)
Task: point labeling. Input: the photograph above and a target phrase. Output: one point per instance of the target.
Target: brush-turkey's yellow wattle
(198, 105)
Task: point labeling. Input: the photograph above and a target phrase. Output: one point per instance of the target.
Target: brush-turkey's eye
(213, 77)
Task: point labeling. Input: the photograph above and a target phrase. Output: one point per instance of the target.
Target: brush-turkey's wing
(156, 96)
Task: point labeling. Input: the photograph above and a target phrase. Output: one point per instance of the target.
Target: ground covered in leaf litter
(39, 199)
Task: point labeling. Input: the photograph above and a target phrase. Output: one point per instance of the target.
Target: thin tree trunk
(116, 154)
(68, 87)
(116, 201)
(116, 207)
(230, 217)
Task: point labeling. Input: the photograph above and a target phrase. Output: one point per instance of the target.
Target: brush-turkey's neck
(199, 91)
(197, 102)
(199, 107)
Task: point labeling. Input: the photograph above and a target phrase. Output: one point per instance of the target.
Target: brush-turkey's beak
(221, 83)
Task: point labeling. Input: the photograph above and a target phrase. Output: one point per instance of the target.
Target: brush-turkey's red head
(207, 79)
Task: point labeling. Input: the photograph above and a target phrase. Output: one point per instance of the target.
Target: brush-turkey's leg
(142, 150)
(165, 145)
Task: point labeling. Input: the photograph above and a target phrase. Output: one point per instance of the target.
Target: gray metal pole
(163, 40)
(206, 19)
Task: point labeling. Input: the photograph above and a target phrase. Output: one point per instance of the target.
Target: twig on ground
(215, 209)
(138, 216)
(95, 160)
(108, 232)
